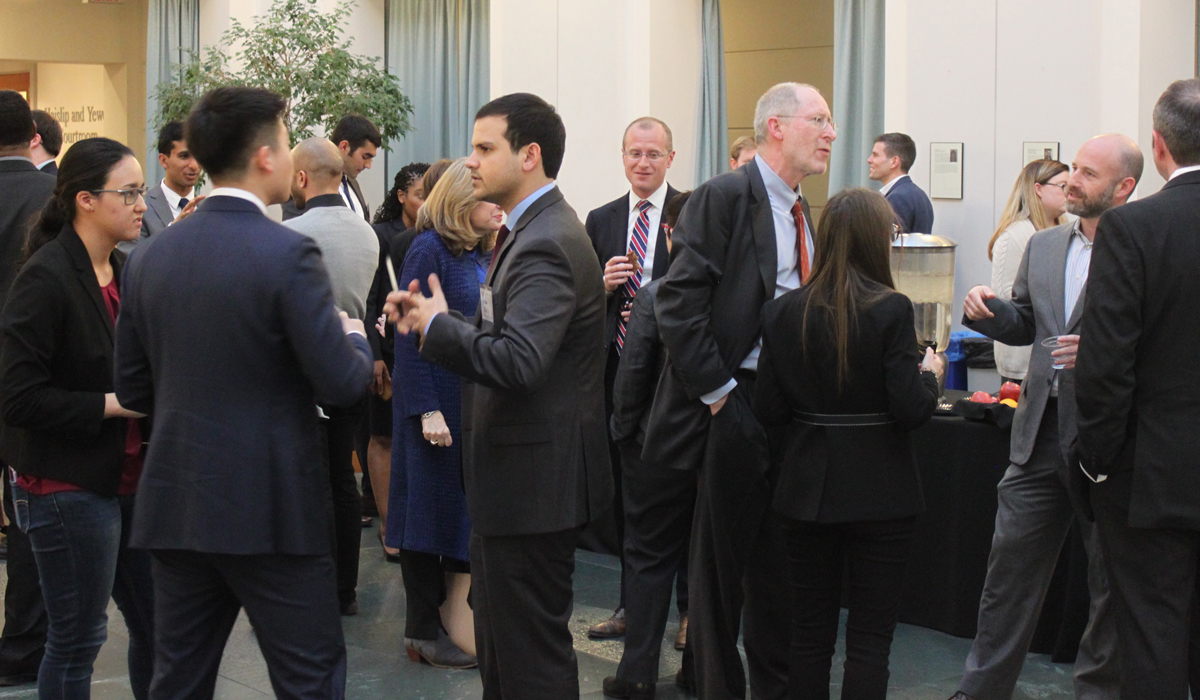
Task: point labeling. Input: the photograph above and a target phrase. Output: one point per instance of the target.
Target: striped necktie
(637, 246)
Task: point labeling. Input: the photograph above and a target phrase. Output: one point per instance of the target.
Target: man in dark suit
(890, 160)
(166, 202)
(1136, 388)
(629, 239)
(26, 190)
(744, 237)
(535, 453)
(1035, 509)
(359, 140)
(45, 147)
(228, 335)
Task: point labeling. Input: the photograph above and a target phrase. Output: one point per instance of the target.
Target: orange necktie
(802, 255)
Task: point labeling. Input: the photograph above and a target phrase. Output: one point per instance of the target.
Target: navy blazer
(912, 206)
(228, 335)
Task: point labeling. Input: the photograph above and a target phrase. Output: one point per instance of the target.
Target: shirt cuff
(430, 323)
(714, 396)
(364, 335)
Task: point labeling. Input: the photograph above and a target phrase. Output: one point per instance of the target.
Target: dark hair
(897, 145)
(167, 136)
(675, 207)
(229, 124)
(852, 267)
(357, 130)
(84, 168)
(50, 130)
(530, 120)
(16, 120)
(391, 209)
(1177, 120)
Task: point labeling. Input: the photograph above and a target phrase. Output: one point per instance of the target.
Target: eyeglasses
(820, 122)
(129, 196)
(1060, 185)
(652, 156)
(896, 232)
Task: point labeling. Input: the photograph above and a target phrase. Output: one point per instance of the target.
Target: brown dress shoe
(611, 628)
(681, 635)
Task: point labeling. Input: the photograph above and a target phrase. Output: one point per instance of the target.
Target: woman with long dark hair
(76, 452)
(842, 382)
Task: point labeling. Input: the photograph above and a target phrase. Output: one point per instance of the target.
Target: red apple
(982, 397)
(1010, 390)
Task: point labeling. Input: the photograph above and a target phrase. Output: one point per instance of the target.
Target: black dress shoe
(686, 682)
(617, 687)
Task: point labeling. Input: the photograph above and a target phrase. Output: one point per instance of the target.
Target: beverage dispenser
(923, 270)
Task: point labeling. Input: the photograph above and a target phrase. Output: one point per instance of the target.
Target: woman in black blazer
(841, 384)
(76, 452)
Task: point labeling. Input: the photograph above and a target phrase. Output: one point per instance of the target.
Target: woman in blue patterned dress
(427, 511)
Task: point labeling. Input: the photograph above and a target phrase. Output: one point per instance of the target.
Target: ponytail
(84, 168)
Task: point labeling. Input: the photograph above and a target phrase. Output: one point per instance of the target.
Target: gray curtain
(439, 50)
(858, 73)
(173, 28)
(712, 149)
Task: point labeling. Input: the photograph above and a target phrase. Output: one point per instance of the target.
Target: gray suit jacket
(535, 447)
(1036, 312)
(157, 217)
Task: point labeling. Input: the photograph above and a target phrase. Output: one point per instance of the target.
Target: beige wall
(48, 32)
(774, 41)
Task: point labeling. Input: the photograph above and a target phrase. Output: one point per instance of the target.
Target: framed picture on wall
(946, 170)
(1038, 150)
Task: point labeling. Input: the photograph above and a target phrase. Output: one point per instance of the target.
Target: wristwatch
(428, 414)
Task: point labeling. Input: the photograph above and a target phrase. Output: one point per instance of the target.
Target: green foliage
(301, 53)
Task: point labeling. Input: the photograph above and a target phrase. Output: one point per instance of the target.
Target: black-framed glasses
(129, 196)
(652, 156)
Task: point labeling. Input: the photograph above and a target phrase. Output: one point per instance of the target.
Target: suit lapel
(1056, 266)
(158, 204)
(618, 230)
(763, 227)
(87, 275)
(552, 197)
(1077, 312)
(661, 255)
(361, 200)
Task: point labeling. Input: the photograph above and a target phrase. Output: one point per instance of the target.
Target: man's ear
(531, 156)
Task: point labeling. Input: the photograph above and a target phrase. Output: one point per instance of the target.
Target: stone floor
(925, 664)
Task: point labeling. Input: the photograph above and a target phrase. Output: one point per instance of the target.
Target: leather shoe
(439, 653)
(685, 682)
(611, 628)
(617, 687)
(367, 521)
(681, 635)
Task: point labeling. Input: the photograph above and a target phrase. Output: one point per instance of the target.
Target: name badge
(485, 304)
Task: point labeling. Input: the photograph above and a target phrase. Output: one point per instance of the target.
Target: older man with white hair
(744, 238)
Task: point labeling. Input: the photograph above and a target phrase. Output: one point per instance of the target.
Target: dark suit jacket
(608, 227)
(642, 361)
(722, 272)
(1136, 376)
(912, 206)
(50, 168)
(383, 347)
(56, 367)
(228, 334)
(26, 190)
(535, 448)
(844, 474)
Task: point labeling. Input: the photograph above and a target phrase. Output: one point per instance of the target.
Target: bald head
(317, 169)
(1104, 173)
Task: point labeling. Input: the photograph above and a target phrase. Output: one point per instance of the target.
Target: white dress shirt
(654, 214)
(240, 194)
(888, 187)
(349, 197)
(1079, 263)
(1183, 171)
(44, 163)
(173, 199)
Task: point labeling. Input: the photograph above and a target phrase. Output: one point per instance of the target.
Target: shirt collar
(888, 187)
(515, 215)
(1077, 233)
(658, 199)
(240, 194)
(325, 200)
(172, 197)
(44, 163)
(776, 188)
(1183, 171)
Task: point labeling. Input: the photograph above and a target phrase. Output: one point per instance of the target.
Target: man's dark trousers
(24, 639)
(339, 431)
(197, 597)
(738, 557)
(522, 598)
(659, 503)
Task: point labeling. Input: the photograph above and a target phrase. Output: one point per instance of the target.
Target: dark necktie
(349, 195)
(637, 246)
(803, 260)
(183, 202)
(501, 235)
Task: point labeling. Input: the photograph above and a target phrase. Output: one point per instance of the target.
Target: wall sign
(946, 170)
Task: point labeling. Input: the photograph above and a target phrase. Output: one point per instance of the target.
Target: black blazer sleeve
(132, 376)
(770, 404)
(1013, 322)
(638, 370)
(912, 394)
(34, 337)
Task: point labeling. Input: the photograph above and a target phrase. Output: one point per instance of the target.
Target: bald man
(350, 250)
(1035, 499)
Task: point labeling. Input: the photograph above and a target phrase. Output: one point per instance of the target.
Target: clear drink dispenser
(923, 270)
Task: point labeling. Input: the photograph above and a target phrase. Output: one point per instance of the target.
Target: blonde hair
(1024, 202)
(447, 210)
(735, 151)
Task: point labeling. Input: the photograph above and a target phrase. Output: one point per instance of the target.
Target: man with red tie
(628, 236)
(743, 239)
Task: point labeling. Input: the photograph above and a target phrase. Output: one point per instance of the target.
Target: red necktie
(802, 257)
(637, 245)
(500, 236)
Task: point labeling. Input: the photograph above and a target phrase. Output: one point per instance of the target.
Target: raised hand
(975, 306)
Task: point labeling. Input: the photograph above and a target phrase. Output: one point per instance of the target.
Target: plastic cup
(1053, 344)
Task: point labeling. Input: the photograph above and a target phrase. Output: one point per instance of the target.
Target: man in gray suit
(535, 453)
(1036, 499)
(170, 199)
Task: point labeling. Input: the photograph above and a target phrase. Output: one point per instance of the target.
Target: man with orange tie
(744, 238)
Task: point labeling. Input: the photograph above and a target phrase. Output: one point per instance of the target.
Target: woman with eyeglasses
(841, 385)
(1038, 201)
(75, 452)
